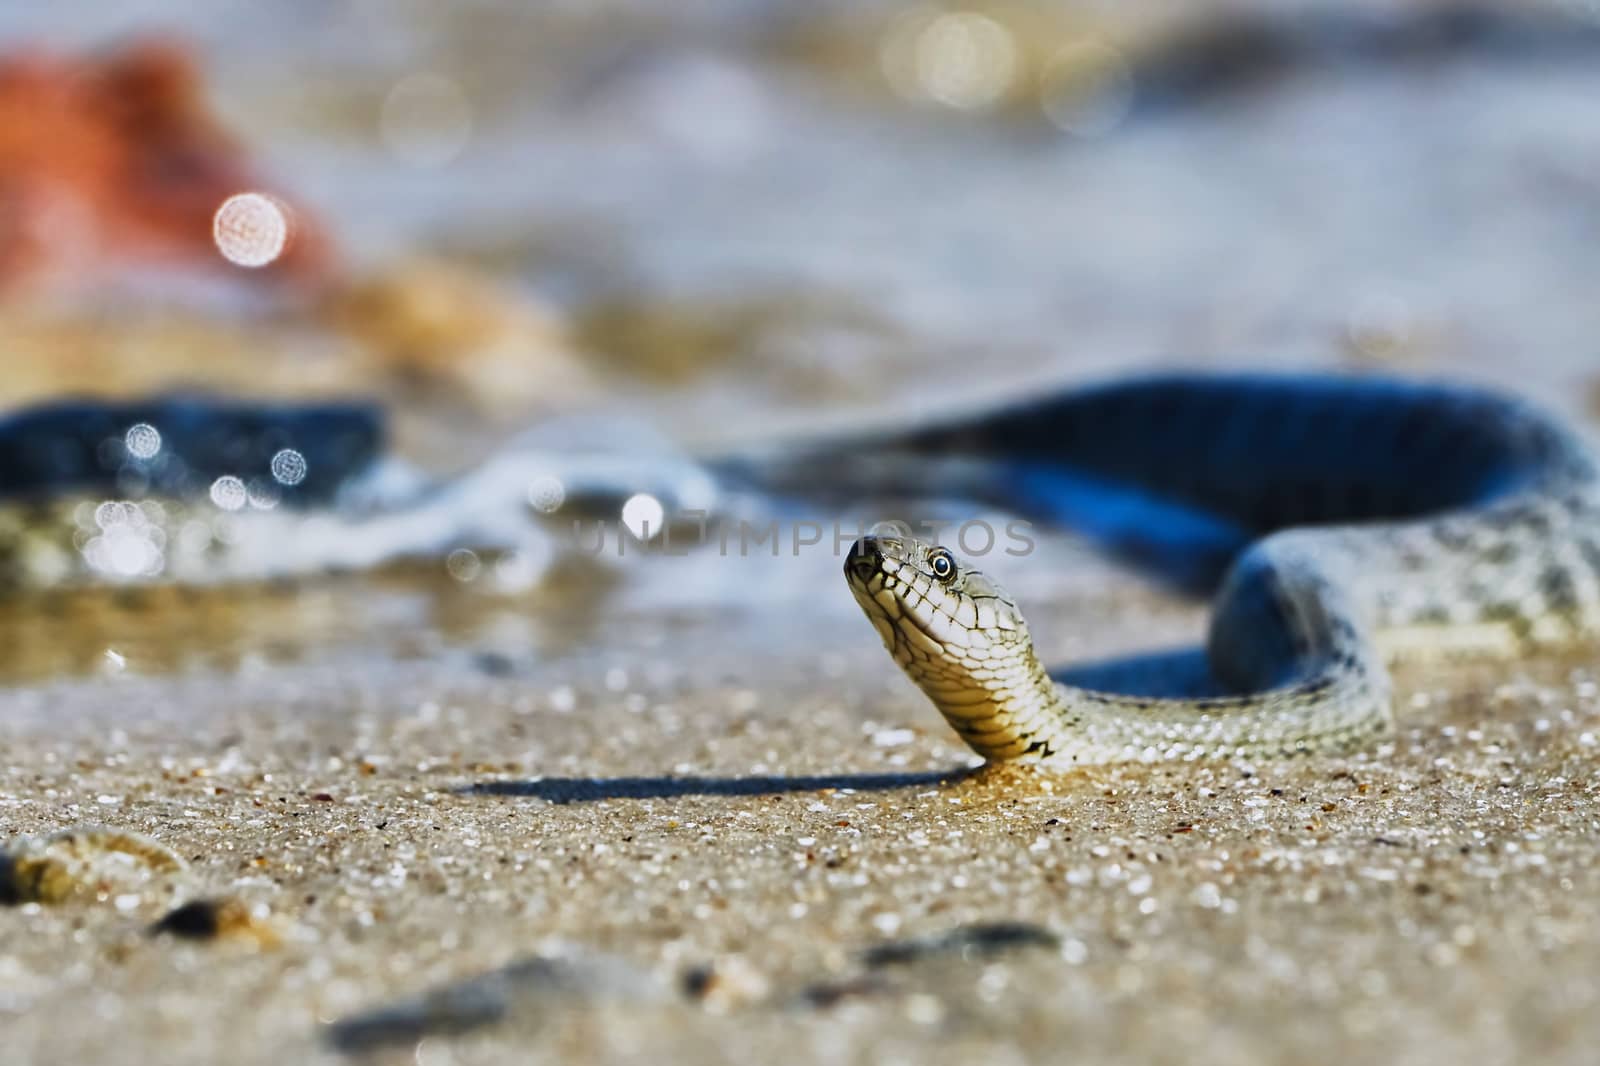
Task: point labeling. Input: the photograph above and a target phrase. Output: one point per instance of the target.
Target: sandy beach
(728, 838)
(687, 811)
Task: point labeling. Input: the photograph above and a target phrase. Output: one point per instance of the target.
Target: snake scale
(1340, 522)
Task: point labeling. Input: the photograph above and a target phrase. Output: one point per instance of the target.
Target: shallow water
(750, 231)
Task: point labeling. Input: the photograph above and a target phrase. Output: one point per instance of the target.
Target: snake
(1340, 525)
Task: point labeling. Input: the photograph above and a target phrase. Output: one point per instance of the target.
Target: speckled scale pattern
(1498, 553)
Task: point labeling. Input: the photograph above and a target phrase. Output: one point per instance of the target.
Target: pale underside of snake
(1342, 523)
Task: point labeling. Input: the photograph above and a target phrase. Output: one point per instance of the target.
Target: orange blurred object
(113, 164)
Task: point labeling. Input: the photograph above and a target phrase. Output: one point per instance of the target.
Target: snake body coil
(1349, 522)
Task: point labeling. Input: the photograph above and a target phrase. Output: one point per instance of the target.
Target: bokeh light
(289, 467)
(464, 565)
(1087, 89)
(109, 513)
(961, 59)
(143, 441)
(546, 494)
(643, 515)
(229, 493)
(127, 541)
(426, 120)
(250, 229)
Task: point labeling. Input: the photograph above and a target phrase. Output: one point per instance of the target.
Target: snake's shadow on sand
(592, 789)
(1181, 672)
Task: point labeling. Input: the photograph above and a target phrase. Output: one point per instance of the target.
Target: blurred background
(718, 220)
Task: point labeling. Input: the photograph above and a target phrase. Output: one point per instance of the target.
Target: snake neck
(997, 698)
(1289, 643)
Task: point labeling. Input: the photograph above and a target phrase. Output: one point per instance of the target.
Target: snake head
(929, 605)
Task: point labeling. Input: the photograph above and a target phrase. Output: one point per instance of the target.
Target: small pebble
(726, 984)
(211, 919)
(522, 988)
(971, 942)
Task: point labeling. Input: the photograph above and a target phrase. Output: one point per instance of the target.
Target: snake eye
(942, 565)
